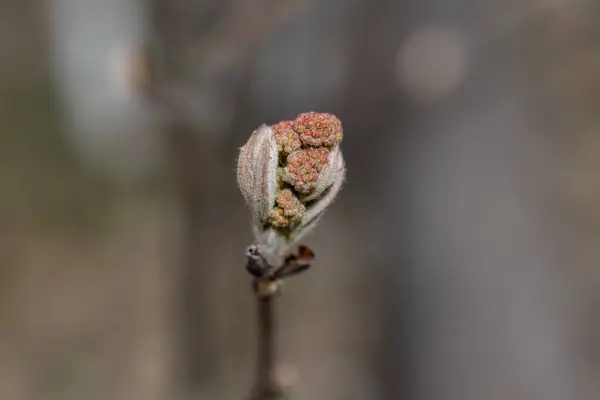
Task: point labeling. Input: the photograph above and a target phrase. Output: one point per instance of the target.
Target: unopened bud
(304, 168)
(333, 170)
(288, 209)
(318, 129)
(287, 140)
(289, 173)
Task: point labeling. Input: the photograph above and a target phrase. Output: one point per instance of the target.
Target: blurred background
(460, 261)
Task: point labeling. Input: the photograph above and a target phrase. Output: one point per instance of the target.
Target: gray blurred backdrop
(460, 261)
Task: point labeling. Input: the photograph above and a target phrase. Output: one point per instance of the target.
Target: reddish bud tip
(318, 129)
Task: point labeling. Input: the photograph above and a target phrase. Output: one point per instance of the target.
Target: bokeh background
(460, 261)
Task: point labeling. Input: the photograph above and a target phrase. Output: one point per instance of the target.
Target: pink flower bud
(318, 129)
(287, 140)
(304, 167)
(288, 209)
(277, 219)
(333, 169)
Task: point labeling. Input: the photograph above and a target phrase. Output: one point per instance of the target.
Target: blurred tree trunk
(193, 136)
(473, 307)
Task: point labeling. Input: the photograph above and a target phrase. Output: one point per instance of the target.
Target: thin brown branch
(267, 285)
(266, 385)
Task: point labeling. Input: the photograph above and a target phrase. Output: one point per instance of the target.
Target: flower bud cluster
(289, 173)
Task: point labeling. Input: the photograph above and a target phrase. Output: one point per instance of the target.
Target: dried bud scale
(289, 173)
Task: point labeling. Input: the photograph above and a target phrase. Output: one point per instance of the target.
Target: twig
(267, 286)
(266, 385)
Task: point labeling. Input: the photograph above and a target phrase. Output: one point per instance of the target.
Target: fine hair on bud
(289, 173)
